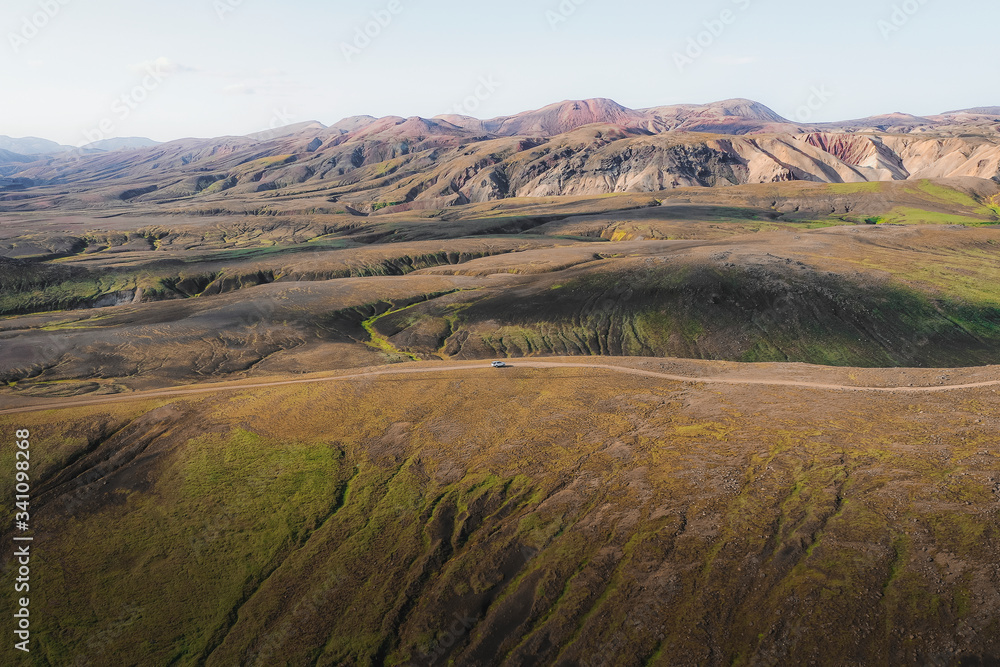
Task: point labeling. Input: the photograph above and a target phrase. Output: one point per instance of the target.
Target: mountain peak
(737, 116)
(121, 144)
(561, 117)
(287, 130)
(975, 111)
(591, 103)
(31, 146)
(744, 108)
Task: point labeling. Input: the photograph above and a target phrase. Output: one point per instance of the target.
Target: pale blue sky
(267, 62)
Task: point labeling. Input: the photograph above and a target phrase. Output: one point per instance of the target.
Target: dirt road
(481, 365)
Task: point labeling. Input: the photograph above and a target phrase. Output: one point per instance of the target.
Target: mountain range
(585, 147)
(35, 146)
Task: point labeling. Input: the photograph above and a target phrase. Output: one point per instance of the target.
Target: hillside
(554, 516)
(875, 274)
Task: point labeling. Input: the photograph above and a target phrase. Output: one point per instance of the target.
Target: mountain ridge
(737, 115)
(587, 147)
(31, 145)
(121, 144)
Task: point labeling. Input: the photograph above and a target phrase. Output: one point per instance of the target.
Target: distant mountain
(413, 129)
(287, 130)
(121, 144)
(551, 120)
(736, 116)
(979, 111)
(732, 117)
(11, 163)
(351, 124)
(582, 147)
(10, 156)
(31, 146)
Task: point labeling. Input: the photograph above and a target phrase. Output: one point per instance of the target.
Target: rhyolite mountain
(583, 147)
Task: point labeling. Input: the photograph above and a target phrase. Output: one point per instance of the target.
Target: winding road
(479, 365)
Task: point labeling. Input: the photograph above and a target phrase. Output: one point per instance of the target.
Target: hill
(542, 516)
(121, 144)
(877, 274)
(31, 146)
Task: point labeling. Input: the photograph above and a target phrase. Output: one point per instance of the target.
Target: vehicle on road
(499, 364)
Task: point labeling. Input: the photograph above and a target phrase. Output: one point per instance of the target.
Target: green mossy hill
(767, 312)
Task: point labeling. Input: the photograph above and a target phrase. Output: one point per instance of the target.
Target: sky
(76, 71)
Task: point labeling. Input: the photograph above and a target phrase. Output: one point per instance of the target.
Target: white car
(499, 364)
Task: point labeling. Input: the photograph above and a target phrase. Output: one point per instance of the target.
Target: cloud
(239, 89)
(272, 71)
(161, 64)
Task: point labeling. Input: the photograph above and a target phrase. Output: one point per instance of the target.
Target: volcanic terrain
(749, 413)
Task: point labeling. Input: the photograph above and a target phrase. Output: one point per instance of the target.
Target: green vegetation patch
(214, 522)
(928, 315)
